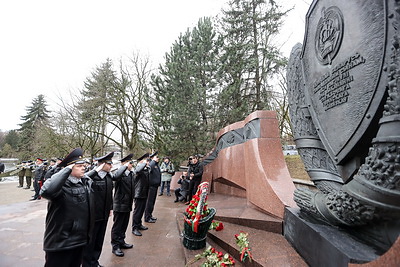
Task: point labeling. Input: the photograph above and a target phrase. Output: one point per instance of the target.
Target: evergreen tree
(12, 138)
(35, 121)
(184, 91)
(93, 107)
(250, 59)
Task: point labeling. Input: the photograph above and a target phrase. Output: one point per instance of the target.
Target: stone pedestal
(323, 245)
(248, 162)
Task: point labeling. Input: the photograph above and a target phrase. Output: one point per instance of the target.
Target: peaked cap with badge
(75, 156)
(153, 154)
(146, 155)
(127, 158)
(106, 158)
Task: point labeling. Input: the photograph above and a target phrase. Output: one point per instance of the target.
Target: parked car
(289, 150)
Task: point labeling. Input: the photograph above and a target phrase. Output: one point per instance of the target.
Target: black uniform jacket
(70, 216)
(141, 181)
(197, 170)
(40, 171)
(155, 174)
(123, 192)
(102, 191)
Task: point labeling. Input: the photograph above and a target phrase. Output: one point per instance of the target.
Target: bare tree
(128, 108)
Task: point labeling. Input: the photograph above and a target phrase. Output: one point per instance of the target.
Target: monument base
(324, 245)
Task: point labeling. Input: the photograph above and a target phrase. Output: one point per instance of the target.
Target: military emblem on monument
(343, 85)
(328, 36)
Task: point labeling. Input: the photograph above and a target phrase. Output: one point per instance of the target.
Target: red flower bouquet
(198, 208)
(244, 245)
(213, 258)
(218, 226)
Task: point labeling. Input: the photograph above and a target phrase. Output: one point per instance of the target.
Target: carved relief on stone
(373, 194)
(238, 136)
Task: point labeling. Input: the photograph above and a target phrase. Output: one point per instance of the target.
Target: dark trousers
(36, 186)
(151, 201)
(193, 187)
(64, 258)
(180, 194)
(121, 220)
(92, 251)
(21, 181)
(140, 205)
(28, 181)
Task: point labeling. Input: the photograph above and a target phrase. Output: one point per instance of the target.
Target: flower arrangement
(218, 226)
(198, 208)
(192, 209)
(244, 245)
(214, 258)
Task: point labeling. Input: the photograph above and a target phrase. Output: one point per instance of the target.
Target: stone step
(267, 248)
(237, 210)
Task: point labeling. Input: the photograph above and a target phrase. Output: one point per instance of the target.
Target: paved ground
(22, 227)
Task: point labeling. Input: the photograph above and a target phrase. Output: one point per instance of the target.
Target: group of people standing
(80, 202)
(189, 180)
(39, 170)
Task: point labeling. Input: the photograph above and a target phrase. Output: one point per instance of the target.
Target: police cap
(106, 158)
(146, 155)
(127, 158)
(154, 154)
(75, 156)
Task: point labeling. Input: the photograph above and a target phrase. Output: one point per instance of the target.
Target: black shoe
(26, 187)
(126, 246)
(35, 198)
(142, 227)
(118, 252)
(160, 194)
(136, 232)
(154, 218)
(19, 186)
(150, 221)
(176, 200)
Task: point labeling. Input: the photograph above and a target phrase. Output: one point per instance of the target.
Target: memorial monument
(343, 84)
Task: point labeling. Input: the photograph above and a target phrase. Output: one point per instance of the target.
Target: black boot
(136, 232)
(118, 252)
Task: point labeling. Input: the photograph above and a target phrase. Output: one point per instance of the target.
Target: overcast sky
(50, 47)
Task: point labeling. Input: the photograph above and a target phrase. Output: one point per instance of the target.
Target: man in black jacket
(195, 173)
(154, 183)
(102, 191)
(69, 216)
(53, 168)
(123, 200)
(40, 171)
(141, 185)
(2, 167)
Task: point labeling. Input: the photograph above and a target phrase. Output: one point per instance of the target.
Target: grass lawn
(296, 167)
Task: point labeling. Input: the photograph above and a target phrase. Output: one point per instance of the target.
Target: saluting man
(39, 177)
(154, 183)
(28, 174)
(69, 212)
(122, 207)
(102, 190)
(141, 185)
